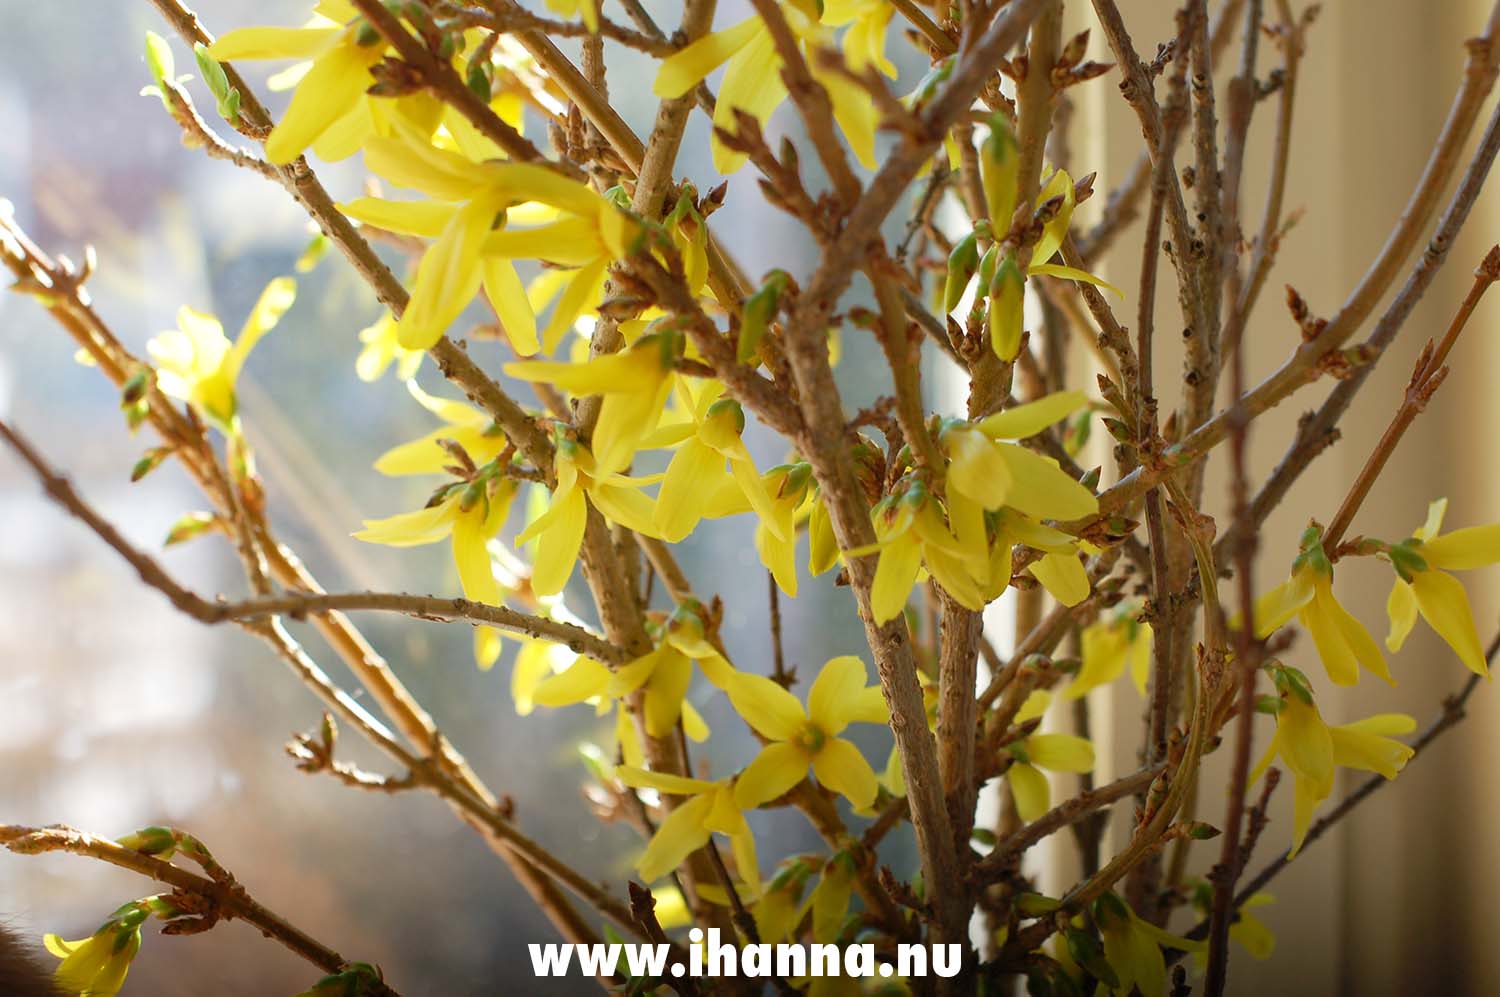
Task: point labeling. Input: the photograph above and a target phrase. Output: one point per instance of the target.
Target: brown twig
(223, 897)
(1428, 376)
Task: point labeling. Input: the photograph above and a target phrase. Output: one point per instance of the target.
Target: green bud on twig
(757, 313)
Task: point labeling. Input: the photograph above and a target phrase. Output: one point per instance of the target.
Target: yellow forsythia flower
(1343, 643)
(1311, 749)
(1423, 585)
(342, 49)
(686, 829)
(1109, 645)
(910, 533)
(662, 675)
(463, 424)
(634, 383)
(197, 363)
(991, 472)
(95, 966)
(466, 202)
(1132, 947)
(471, 514)
(587, 9)
(752, 80)
(559, 530)
(800, 737)
(1031, 754)
(697, 470)
(382, 347)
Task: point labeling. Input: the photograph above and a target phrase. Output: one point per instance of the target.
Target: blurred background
(116, 712)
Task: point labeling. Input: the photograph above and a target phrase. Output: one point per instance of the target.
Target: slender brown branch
(1066, 814)
(1425, 380)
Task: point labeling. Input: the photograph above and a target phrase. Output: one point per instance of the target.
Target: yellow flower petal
(835, 694)
(411, 529)
(507, 295)
(1073, 273)
(752, 84)
(766, 706)
(778, 555)
(840, 767)
(665, 782)
(1471, 547)
(686, 68)
(273, 43)
(269, 307)
(777, 768)
(1029, 788)
(584, 679)
(447, 278)
(976, 468)
(1354, 748)
(338, 79)
(686, 489)
(1040, 488)
(1022, 421)
(558, 543)
(426, 219)
(1445, 606)
(1060, 752)
(895, 574)
(1276, 607)
(664, 693)
(680, 834)
(1063, 576)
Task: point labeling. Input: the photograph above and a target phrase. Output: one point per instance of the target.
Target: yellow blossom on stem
(753, 84)
(634, 383)
(791, 494)
(662, 676)
(1311, 749)
(1058, 570)
(799, 738)
(1343, 644)
(342, 47)
(1423, 584)
(470, 513)
(463, 424)
(910, 533)
(864, 42)
(197, 363)
(989, 470)
(710, 810)
(466, 214)
(559, 530)
(1248, 930)
(382, 347)
(1132, 947)
(697, 470)
(1035, 752)
(1110, 645)
(96, 966)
